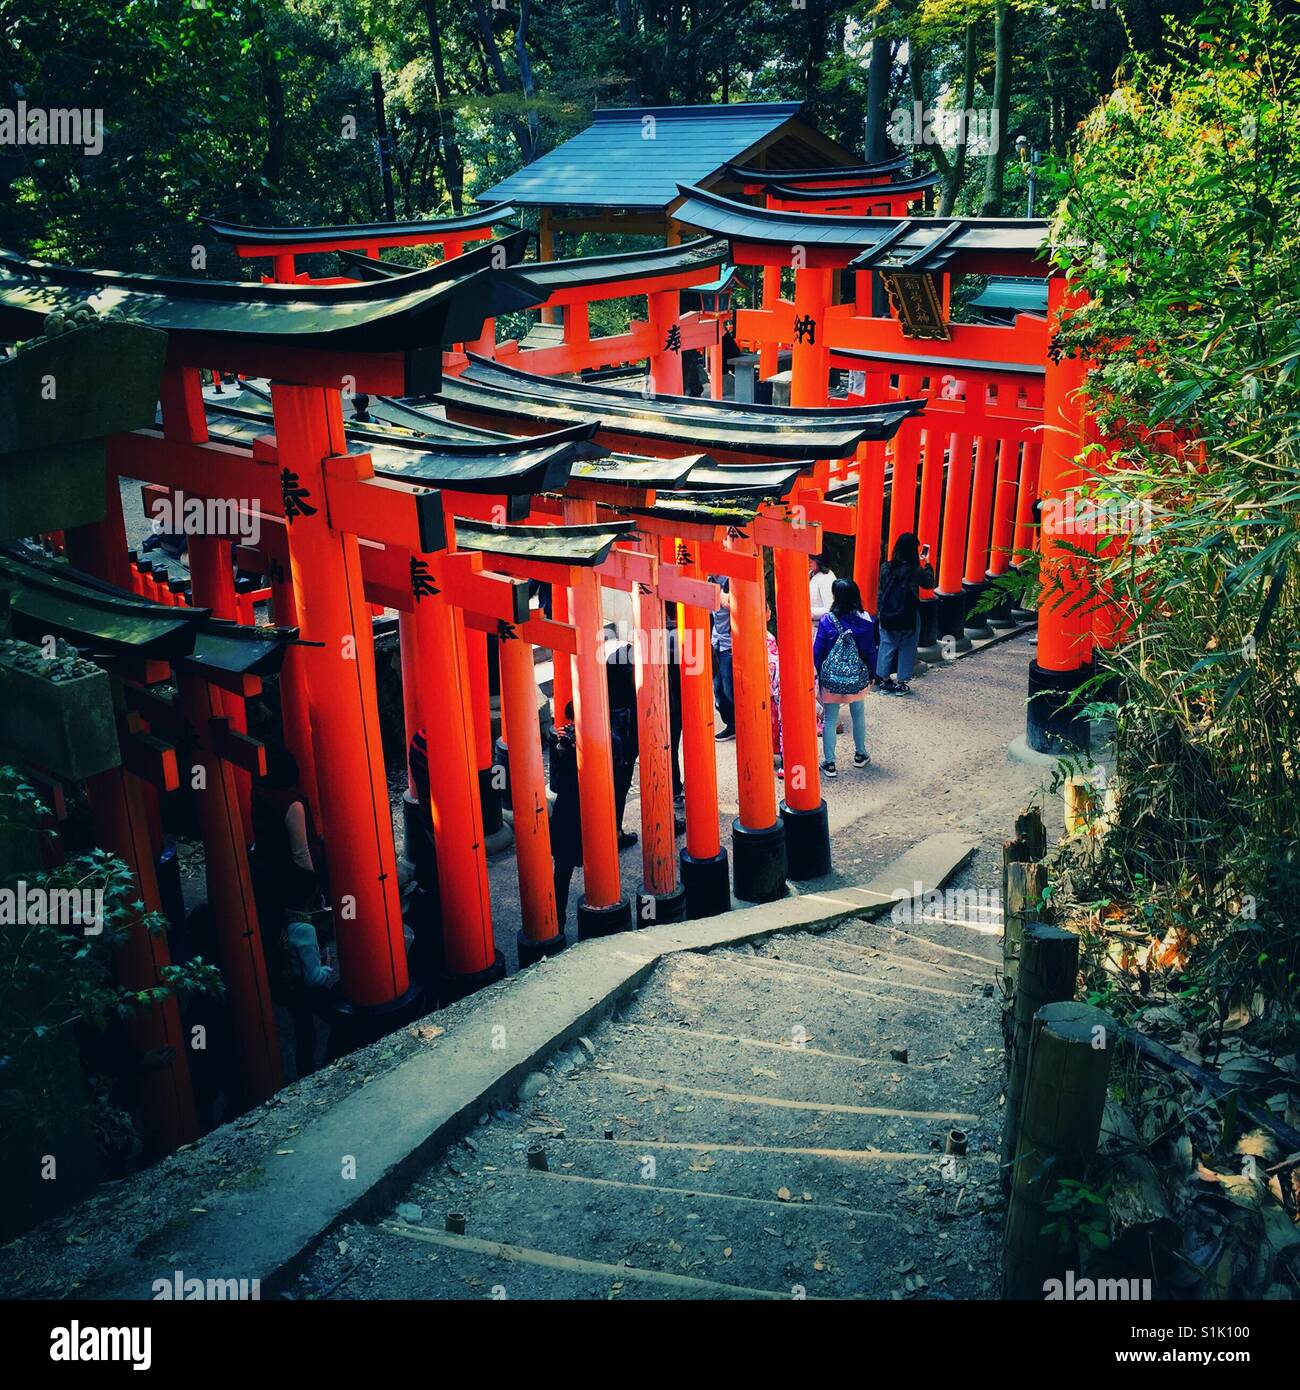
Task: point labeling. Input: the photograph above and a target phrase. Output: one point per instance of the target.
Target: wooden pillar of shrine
(120, 820)
(769, 352)
(1024, 536)
(927, 532)
(869, 521)
(470, 959)
(602, 909)
(489, 792)
(546, 252)
(662, 898)
(665, 366)
(978, 534)
(758, 833)
(803, 811)
(542, 933)
(1064, 658)
(325, 566)
(951, 622)
(703, 861)
(809, 358)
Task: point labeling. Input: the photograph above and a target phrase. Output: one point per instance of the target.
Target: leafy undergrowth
(1187, 1189)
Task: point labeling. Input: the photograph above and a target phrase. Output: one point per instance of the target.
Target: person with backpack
(844, 655)
(901, 578)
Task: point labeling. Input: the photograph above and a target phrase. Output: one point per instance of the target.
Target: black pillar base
(654, 909)
(1052, 724)
(707, 883)
(999, 616)
(530, 951)
(357, 1025)
(807, 842)
(929, 611)
(418, 835)
(603, 921)
(489, 793)
(501, 759)
(977, 629)
(758, 862)
(952, 622)
(453, 987)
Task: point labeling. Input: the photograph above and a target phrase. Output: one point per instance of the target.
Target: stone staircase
(757, 1122)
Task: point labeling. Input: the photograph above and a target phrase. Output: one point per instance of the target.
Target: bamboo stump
(1065, 1091)
(1049, 963)
(1025, 886)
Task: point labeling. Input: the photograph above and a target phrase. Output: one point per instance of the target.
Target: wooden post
(769, 352)
(664, 368)
(952, 544)
(1065, 1092)
(1025, 885)
(868, 521)
(546, 252)
(541, 934)
(661, 899)
(704, 863)
(325, 565)
(119, 817)
(602, 909)
(758, 834)
(1049, 966)
(803, 812)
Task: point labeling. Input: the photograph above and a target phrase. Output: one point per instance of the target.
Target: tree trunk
(956, 173)
(526, 77)
(453, 167)
(525, 134)
(995, 167)
(877, 141)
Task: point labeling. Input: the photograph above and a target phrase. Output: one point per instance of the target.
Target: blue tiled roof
(634, 157)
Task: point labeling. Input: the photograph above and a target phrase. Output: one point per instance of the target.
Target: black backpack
(897, 599)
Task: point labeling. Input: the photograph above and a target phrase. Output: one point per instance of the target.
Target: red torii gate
(917, 257)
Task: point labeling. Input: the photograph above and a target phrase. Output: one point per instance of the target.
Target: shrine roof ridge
(485, 215)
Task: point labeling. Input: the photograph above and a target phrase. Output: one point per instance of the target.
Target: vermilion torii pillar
(665, 374)
(703, 860)
(979, 531)
(541, 934)
(662, 898)
(167, 1118)
(952, 549)
(758, 834)
(326, 572)
(217, 791)
(937, 440)
(602, 909)
(1064, 658)
(470, 957)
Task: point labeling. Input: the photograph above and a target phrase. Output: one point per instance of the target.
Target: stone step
(975, 944)
(716, 1060)
(714, 1235)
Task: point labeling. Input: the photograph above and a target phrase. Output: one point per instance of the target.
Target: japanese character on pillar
(294, 496)
(805, 329)
(422, 585)
(674, 342)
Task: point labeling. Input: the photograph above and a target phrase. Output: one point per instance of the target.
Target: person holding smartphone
(902, 577)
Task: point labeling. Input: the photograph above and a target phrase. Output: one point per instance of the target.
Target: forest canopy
(265, 112)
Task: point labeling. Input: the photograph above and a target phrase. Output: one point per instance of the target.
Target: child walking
(844, 655)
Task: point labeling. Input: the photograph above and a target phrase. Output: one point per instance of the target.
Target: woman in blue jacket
(844, 654)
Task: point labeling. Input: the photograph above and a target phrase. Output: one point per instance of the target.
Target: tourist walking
(902, 576)
(844, 656)
(821, 584)
(724, 686)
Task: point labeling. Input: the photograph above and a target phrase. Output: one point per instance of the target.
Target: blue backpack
(843, 671)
